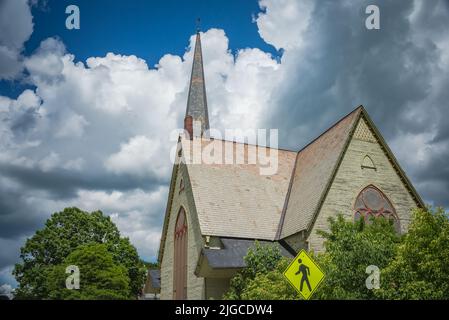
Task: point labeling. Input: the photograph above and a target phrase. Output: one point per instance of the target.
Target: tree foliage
(413, 266)
(151, 265)
(270, 285)
(62, 234)
(260, 259)
(350, 248)
(100, 277)
(420, 269)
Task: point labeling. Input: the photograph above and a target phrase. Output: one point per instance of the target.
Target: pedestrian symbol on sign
(305, 271)
(304, 274)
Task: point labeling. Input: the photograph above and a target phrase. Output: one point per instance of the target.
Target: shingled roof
(315, 164)
(234, 251)
(235, 200)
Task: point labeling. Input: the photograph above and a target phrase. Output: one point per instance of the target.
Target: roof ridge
(337, 166)
(285, 149)
(249, 144)
(365, 116)
(287, 197)
(360, 109)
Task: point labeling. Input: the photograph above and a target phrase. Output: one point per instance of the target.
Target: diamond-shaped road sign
(304, 274)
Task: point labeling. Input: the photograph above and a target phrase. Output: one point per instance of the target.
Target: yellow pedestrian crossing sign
(304, 274)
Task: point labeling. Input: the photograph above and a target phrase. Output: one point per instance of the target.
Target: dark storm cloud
(16, 217)
(63, 184)
(9, 254)
(19, 217)
(345, 65)
(389, 71)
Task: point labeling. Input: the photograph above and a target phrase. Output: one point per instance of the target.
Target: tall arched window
(180, 259)
(371, 202)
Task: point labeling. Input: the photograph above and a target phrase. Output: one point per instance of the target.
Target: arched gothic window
(371, 202)
(180, 257)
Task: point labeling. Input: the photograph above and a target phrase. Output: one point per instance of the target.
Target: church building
(215, 212)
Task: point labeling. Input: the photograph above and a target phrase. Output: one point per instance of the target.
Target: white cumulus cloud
(96, 133)
(138, 156)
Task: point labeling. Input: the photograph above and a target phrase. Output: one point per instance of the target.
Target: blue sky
(84, 112)
(147, 29)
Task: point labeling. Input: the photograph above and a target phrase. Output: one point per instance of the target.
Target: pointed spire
(197, 101)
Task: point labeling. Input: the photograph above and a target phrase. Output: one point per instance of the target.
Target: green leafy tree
(420, 269)
(63, 233)
(260, 259)
(270, 285)
(151, 265)
(350, 247)
(100, 276)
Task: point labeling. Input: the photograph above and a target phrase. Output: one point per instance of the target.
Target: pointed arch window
(371, 202)
(368, 163)
(180, 257)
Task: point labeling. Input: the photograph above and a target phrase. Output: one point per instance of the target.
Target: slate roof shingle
(234, 251)
(314, 167)
(235, 200)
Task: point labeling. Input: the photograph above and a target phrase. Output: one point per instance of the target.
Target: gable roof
(235, 200)
(315, 168)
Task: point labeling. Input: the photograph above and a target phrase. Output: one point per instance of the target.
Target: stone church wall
(351, 178)
(296, 241)
(195, 285)
(216, 287)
